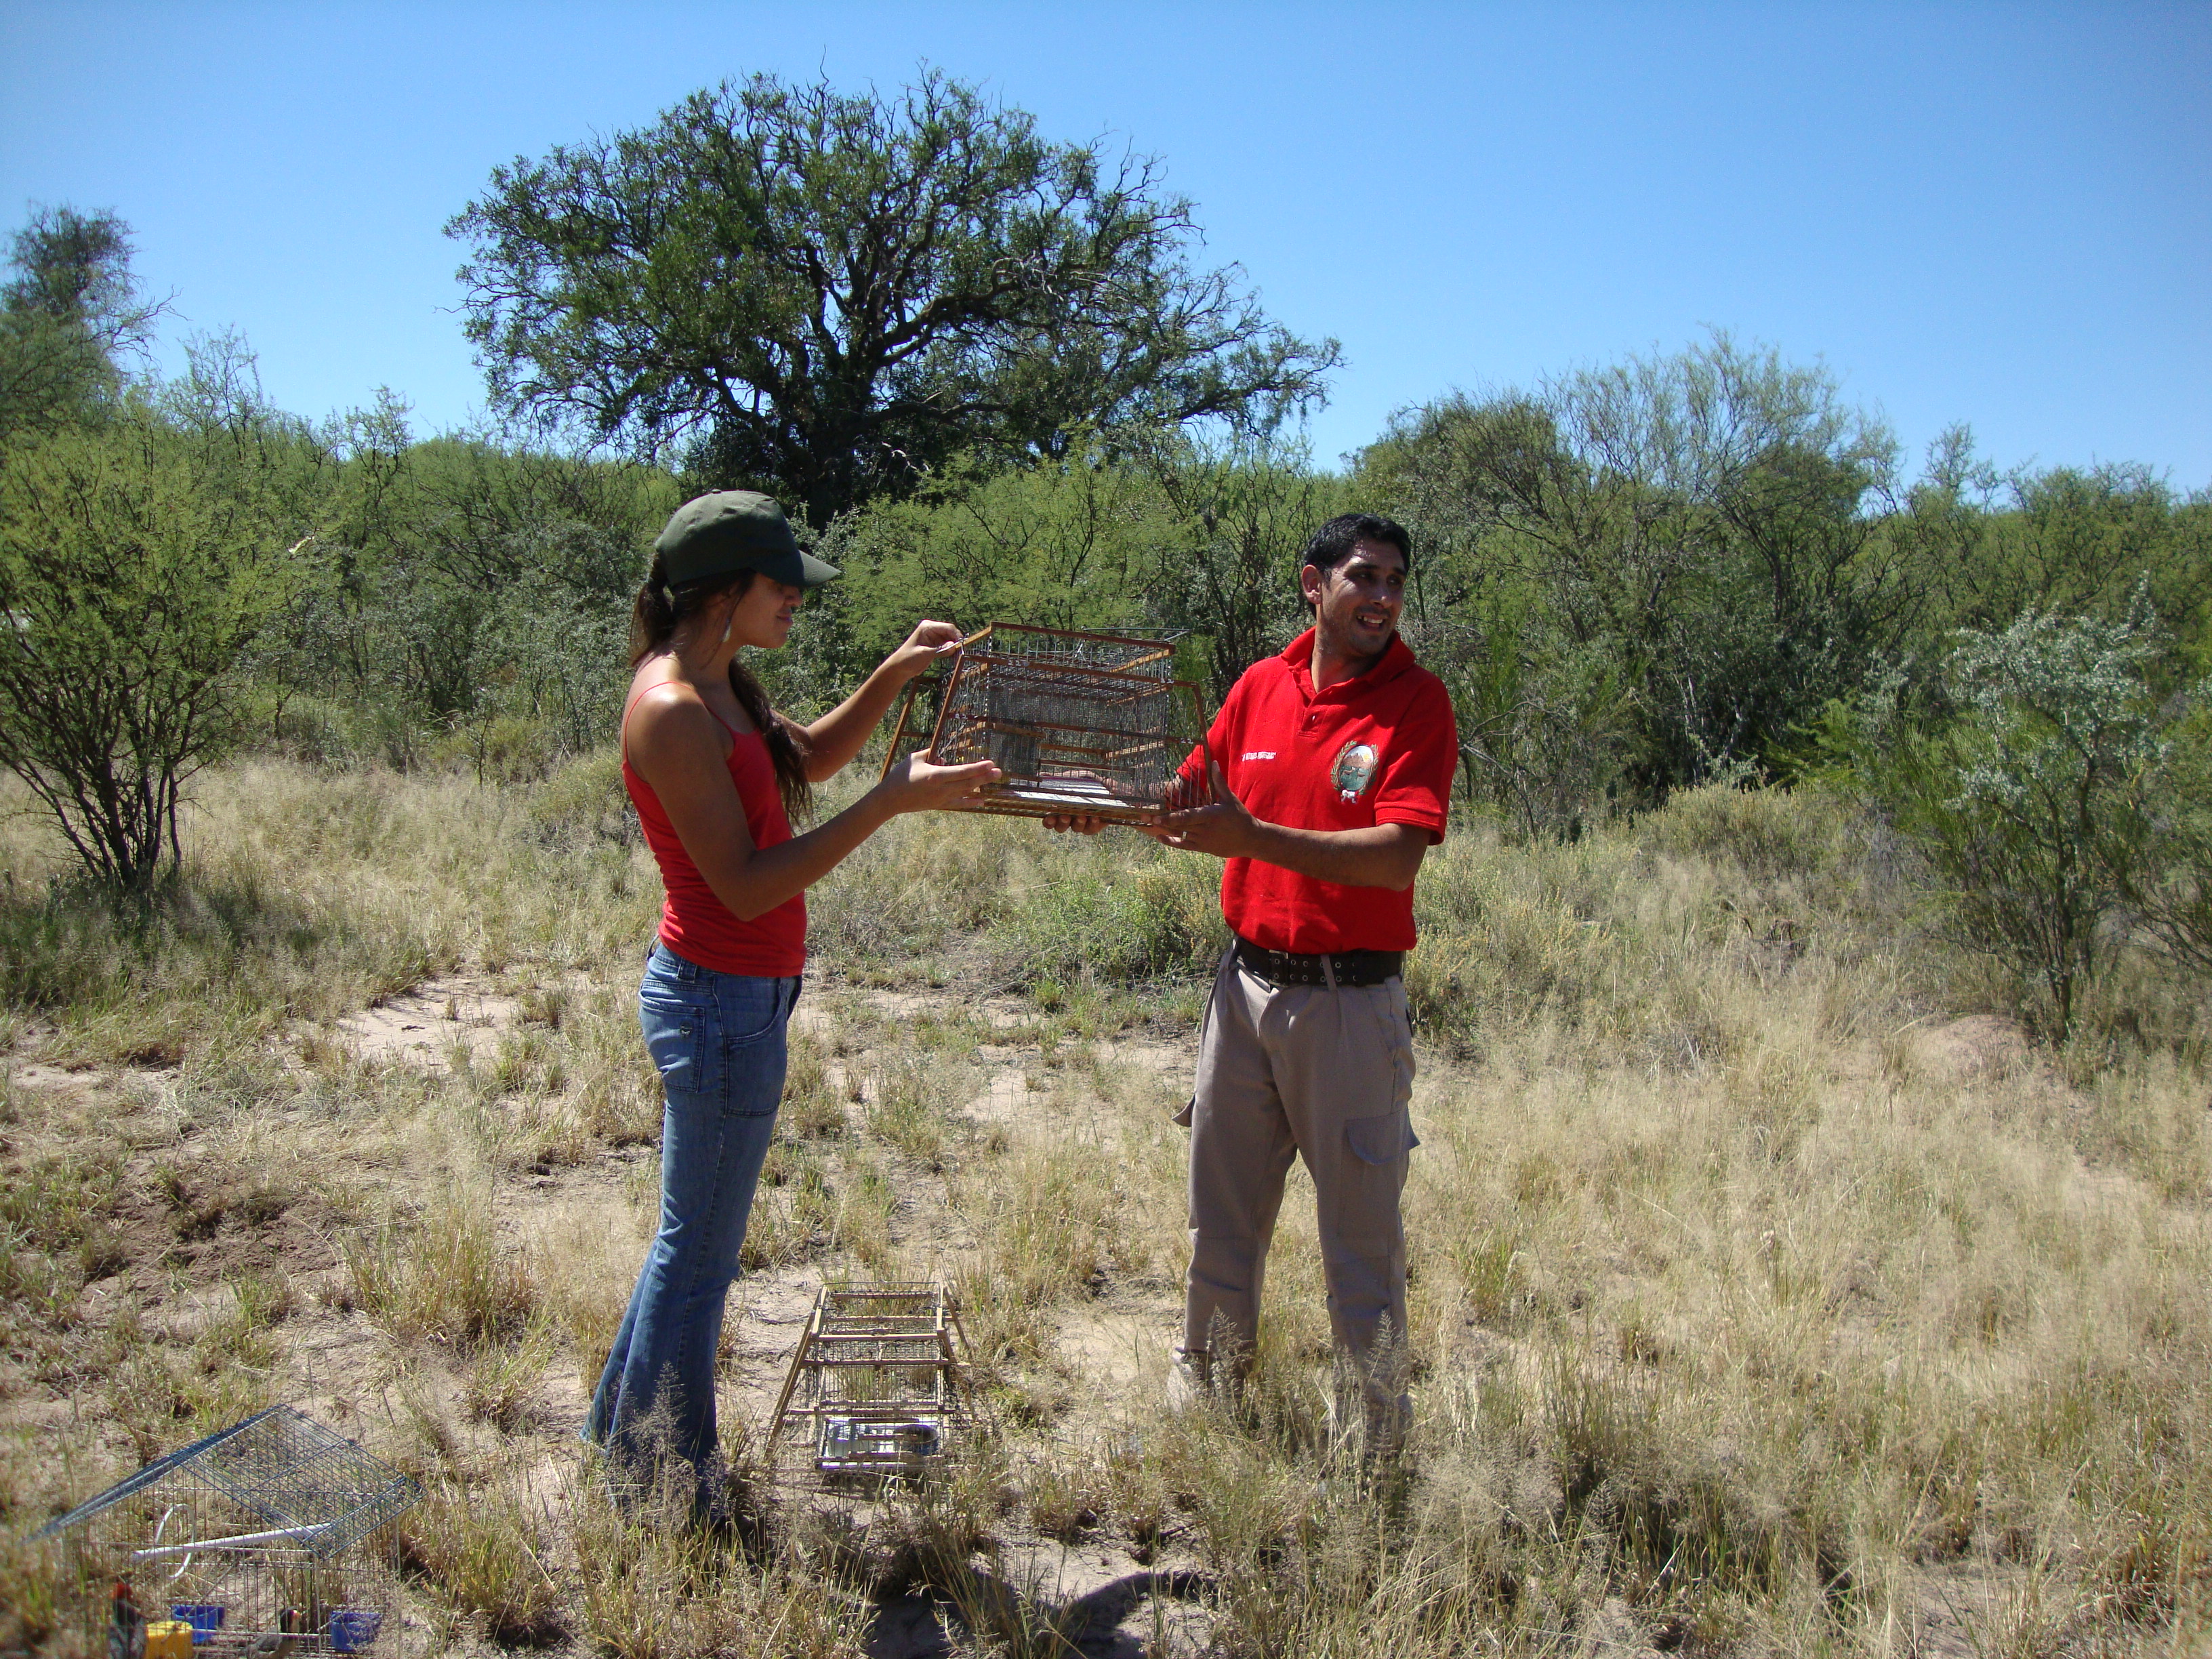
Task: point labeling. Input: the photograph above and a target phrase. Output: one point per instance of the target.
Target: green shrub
(2170, 885)
(1159, 920)
(1770, 834)
(913, 887)
(584, 800)
(2034, 804)
(498, 748)
(133, 576)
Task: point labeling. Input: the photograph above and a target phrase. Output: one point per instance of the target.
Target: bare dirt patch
(229, 1277)
(425, 1026)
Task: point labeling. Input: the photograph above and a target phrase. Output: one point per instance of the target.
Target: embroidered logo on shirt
(1259, 754)
(1354, 770)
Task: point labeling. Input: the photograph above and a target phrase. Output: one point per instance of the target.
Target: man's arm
(1385, 856)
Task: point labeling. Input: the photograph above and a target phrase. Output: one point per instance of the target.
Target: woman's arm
(837, 736)
(677, 746)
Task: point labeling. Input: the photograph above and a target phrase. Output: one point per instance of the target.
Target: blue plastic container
(205, 1617)
(353, 1629)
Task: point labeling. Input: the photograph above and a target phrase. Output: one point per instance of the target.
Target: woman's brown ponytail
(784, 750)
(652, 617)
(652, 623)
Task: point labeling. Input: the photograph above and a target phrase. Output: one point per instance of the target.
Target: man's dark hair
(1333, 543)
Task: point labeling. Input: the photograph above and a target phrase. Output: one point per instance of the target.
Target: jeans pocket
(748, 1009)
(677, 1035)
(748, 1054)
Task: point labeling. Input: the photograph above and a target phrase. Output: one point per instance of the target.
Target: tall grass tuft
(444, 1274)
(483, 1551)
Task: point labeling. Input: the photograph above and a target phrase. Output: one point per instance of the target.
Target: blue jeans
(717, 1041)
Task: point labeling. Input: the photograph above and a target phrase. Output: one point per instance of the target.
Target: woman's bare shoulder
(666, 713)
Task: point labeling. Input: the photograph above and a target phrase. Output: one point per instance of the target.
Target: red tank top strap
(637, 695)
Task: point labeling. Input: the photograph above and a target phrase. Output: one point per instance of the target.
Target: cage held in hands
(273, 1536)
(1090, 723)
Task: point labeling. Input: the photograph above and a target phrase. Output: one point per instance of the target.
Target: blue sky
(1994, 214)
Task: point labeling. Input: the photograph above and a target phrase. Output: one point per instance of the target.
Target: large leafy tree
(69, 311)
(831, 295)
(1711, 523)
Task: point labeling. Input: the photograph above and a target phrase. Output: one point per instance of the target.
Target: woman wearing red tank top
(717, 776)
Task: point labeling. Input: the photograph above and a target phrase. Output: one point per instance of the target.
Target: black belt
(1352, 967)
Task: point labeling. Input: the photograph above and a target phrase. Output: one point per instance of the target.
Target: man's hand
(1206, 817)
(1203, 815)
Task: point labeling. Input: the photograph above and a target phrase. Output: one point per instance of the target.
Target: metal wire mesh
(1078, 723)
(874, 1391)
(286, 1468)
(273, 1536)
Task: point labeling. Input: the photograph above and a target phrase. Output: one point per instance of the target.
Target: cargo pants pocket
(1382, 1138)
(1369, 1181)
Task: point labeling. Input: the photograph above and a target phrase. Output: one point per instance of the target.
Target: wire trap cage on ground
(877, 1388)
(272, 1537)
(1080, 723)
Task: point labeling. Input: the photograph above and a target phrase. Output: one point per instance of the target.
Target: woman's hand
(929, 641)
(915, 785)
(836, 737)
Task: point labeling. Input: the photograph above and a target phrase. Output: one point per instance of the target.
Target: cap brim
(789, 566)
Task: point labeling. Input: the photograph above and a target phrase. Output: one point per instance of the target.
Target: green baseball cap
(736, 530)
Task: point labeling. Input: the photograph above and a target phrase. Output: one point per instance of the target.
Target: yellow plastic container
(168, 1638)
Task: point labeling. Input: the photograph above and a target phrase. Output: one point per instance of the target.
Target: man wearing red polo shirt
(1322, 783)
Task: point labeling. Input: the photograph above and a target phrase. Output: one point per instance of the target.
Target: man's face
(1356, 601)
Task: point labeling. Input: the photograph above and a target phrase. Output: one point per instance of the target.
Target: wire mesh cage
(876, 1389)
(274, 1536)
(1078, 723)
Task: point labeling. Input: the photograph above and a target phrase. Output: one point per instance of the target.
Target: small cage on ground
(273, 1536)
(1092, 723)
(877, 1388)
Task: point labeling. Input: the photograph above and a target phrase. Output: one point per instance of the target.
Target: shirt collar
(1397, 658)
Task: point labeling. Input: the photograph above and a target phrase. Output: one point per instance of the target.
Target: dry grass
(443, 1274)
(1770, 1292)
(482, 1549)
(311, 894)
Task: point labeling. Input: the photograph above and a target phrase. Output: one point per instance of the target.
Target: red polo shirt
(1378, 749)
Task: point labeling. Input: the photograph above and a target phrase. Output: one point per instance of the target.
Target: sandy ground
(596, 1215)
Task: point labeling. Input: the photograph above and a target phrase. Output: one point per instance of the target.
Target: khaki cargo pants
(1321, 1073)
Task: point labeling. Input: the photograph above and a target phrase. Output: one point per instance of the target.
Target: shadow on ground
(1141, 1615)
